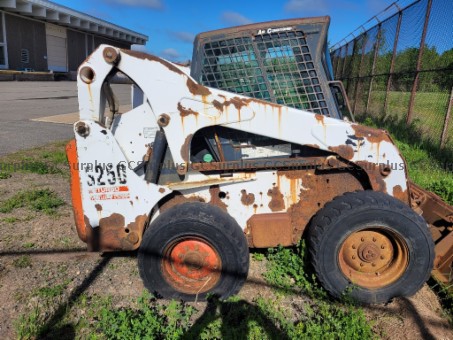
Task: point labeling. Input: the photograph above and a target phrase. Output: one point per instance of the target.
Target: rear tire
(370, 246)
(192, 250)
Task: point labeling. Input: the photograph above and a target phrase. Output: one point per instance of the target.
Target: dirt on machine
(252, 146)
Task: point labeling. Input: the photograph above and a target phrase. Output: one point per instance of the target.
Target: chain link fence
(403, 67)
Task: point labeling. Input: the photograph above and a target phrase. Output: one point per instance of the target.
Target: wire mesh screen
(284, 62)
(403, 67)
(287, 73)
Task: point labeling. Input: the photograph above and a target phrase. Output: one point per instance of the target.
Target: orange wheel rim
(373, 258)
(191, 265)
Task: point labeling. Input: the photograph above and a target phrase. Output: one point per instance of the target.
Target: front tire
(371, 247)
(192, 250)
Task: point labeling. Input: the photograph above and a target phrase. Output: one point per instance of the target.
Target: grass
(32, 324)
(40, 200)
(289, 268)
(10, 220)
(149, 318)
(53, 291)
(428, 166)
(49, 159)
(230, 319)
(445, 295)
(22, 262)
(4, 175)
(428, 115)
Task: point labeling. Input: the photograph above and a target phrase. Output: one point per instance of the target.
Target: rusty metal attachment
(82, 129)
(439, 215)
(373, 258)
(270, 230)
(87, 74)
(191, 265)
(163, 120)
(111, 55)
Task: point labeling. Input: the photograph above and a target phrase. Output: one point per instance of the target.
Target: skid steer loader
(194, 175)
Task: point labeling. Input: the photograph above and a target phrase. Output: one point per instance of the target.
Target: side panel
(116, 202)
(251, 198)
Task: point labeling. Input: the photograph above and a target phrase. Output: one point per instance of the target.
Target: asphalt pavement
(23, 104)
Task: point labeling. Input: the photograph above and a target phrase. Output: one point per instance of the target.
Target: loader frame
(118, 190)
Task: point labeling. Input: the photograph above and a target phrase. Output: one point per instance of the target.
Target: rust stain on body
(319, 118)
(186, 112)
(374, 175)
(214, 191)
(277, 203)
(345, 151)
(247, 199)
(237, 102)
(177, 199)
(146, 56)
(398, 193)
(185, 148)
(197, 89)
(372, 135)
(98, 207)
(318, 189)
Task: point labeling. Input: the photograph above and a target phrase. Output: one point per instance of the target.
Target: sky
(171, 25)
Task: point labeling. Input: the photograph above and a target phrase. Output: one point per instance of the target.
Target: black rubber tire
(353, 212)
(201, 221)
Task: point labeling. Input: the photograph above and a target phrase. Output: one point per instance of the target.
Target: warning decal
(109, 193)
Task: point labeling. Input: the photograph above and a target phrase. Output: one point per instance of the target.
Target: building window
(3, 55)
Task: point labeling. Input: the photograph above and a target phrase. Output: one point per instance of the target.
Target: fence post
(443, 138)
(338, 74)
(345, 63)
(337, 63)
(359, 79)
(419, 64)
(373, 67)
(392, 63)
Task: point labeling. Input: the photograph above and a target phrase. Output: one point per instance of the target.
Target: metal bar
(392, 63)
(263, 68)
(255, 164)
(404, 73)
(373, 67)
(443, 138)
(159, 147)
(419, 64)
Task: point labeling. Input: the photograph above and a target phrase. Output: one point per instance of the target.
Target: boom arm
(181, 106)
